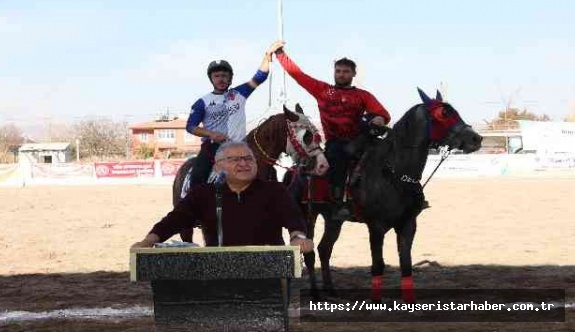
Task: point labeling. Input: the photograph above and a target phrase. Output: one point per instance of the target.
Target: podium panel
(218, 288)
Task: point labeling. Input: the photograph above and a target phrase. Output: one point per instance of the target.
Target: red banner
(170, 167)
(125, 169)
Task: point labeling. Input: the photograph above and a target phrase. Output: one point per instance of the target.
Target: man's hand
(274, 47)
(142, 244)
(148, 242)
(305, 245)
(218, 137)
(322, 165)
(378, 121)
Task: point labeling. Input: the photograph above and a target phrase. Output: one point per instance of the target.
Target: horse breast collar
(269, 160)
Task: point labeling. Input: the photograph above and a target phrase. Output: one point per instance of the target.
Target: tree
(507, 119)
(11, 137)
(101, 137)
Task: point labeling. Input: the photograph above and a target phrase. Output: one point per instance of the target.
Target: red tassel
(407, 287)
(376, 288)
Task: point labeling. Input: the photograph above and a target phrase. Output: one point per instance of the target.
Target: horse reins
(274, 161)
(444, 156)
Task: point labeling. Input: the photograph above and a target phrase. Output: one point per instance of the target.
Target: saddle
(310, 189)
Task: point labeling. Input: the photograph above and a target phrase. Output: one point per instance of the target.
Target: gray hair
(230, 144)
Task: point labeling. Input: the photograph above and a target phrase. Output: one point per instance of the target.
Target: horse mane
(405, 130)
(386, 160)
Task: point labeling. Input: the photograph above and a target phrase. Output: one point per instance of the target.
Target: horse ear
(291, 116)
(438, 96)
(298, 108)
(425, 98)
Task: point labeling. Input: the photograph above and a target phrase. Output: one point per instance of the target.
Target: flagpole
(283, 92)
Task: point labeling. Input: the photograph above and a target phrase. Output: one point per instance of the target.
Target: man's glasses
(237, 159)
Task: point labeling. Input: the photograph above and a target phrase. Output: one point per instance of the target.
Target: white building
(48, 153)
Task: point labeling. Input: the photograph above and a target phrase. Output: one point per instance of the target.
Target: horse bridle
(295, 144)
(445, 149)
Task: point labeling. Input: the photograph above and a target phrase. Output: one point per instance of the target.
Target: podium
(244, 288)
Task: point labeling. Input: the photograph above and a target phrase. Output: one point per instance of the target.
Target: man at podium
(251, 211)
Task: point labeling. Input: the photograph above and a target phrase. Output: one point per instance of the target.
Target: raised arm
(261, 75)
(310, 84)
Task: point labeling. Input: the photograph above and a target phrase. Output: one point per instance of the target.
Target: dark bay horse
(386, 192)
(289, 132)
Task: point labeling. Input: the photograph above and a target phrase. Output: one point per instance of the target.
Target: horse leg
(309, 258)
(181, 185)
(405, 236)
(376, 235)
(332, 229)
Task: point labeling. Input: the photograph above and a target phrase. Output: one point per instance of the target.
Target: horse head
(446, 126)
(429, 124)
(303, 142)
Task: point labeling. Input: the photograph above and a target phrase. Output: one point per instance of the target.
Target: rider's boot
(342, 210)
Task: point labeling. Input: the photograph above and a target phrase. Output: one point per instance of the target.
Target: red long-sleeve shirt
(340, 109)
(255, 216)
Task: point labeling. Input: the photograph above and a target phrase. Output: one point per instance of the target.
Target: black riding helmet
(219, 65)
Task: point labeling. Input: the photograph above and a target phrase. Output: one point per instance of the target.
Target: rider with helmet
(222, 112)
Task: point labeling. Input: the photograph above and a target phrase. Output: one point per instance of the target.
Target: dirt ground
(67, 247)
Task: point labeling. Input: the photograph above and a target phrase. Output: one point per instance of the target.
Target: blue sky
(132, 60)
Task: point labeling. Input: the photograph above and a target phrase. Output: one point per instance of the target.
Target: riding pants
(339, 159)
(204, 162)
(338, 166)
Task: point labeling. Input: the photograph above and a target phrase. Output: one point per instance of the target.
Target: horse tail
(179, 180)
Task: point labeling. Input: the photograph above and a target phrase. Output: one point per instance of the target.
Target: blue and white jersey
(223, 113)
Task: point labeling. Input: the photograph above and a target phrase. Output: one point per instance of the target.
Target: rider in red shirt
(342, 109)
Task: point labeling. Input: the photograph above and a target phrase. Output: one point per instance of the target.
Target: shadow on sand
(49, 292)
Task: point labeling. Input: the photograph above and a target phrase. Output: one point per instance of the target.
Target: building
(529, 137)
(164, 138)
(168, 138)
(47, 153)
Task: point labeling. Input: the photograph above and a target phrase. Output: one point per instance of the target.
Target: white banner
(548, 137)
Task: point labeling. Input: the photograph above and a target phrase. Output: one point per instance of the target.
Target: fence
(117, 172)
(163, 171)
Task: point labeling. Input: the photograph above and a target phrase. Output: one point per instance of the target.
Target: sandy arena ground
(486, 233)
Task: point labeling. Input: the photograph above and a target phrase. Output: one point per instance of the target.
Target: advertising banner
(170, 167)
(60, 171)
(125, 169)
